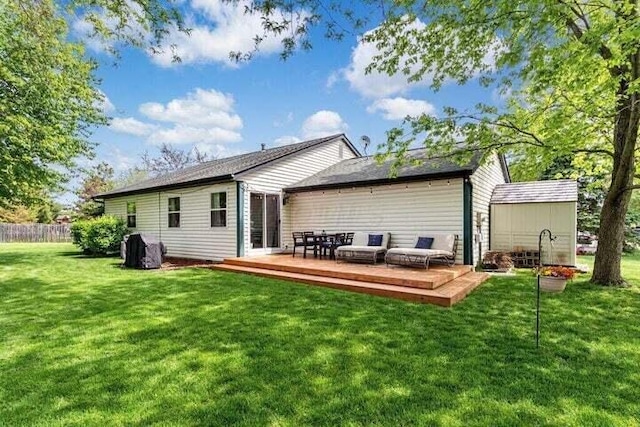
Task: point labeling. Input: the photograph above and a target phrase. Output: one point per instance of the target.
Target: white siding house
(271, 179)
(431, 197)
(484, 180)
(250, 204)
(195, 237)
(250, 187)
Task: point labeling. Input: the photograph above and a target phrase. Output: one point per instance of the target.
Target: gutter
(399, 180)
(204, 181)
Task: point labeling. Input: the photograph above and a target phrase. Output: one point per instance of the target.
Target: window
(131, 214)
(174, 212)
(219, 209)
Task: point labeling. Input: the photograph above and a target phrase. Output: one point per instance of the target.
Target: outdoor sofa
(365, 247)
(426, 248)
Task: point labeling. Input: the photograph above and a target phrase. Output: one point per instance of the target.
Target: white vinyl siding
(484, 180)
(282, 173)
(403, 210)
(517, 227)
(195, 238)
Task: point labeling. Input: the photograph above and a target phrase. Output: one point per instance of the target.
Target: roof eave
(399, 180)
(195, 183)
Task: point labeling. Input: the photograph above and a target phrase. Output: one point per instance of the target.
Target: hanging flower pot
(554, 279)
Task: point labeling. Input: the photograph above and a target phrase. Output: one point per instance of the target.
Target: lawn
(84, 342)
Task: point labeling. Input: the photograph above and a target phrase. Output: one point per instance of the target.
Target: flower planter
(552, 284)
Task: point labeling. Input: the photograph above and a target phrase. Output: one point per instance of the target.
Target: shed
(521, 210)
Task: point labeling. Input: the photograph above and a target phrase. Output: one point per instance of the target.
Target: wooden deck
(439, 285)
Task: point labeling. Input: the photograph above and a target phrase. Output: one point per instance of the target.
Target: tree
(569, 69)
(17, 214)
(172, 159)
(95, 181)
(48, 100)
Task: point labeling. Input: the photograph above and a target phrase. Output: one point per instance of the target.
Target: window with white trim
(131, 214)
(219, 209)
(174, 212)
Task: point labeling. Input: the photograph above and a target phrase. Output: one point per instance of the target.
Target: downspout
(467, 221)
(159, 219)
(239, 219)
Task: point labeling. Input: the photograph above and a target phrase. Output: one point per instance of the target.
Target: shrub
(99, 236)
(79, 233)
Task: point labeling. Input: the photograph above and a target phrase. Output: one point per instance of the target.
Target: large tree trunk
(607, 269)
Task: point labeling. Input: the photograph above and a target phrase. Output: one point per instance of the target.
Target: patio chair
(348, 239)
(303, 240)
(330, 243)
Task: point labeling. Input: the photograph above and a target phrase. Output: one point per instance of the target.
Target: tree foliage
(48, 100)
(95, 180)
(171, 159)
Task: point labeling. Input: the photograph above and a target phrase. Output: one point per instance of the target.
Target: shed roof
(367, 171)
(561, 190)
(220, 169)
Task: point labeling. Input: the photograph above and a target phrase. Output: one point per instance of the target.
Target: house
(249, 204)
(426, 195)
(227, 207)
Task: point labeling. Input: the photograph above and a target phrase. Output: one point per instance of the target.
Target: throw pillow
(375, 240)
(424, 243)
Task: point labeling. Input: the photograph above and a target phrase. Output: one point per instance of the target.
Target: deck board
(435, 276)
(452, 285)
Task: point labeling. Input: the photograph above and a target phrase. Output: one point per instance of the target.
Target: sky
(224, 108)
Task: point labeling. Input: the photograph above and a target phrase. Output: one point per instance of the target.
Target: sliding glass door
(265, 220)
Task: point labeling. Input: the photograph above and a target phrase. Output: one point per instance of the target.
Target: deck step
(416, 278)
(445, 295)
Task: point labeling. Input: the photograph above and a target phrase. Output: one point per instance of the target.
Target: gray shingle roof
(218, 170)
(366, 171)
(562, 190)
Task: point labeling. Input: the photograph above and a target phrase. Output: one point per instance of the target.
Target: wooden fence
(34, 233)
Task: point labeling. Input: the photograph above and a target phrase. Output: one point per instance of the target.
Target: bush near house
(99, 236)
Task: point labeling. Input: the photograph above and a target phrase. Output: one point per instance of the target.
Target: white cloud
(373, 84)
(286, 140)
(376, 85)
(131, 126)
(180, 134)
(84, 29)
(323, 123)
(217, 28)
(201, 117)
(398, 108)
(105, 104)
(203, 108)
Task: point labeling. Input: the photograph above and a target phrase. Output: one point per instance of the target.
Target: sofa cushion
(444, 242)
(351, 248)
(375, 240)
(360, 239)
(424, 243)
(419, 252)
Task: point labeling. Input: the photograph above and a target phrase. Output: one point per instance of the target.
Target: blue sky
(225, 108)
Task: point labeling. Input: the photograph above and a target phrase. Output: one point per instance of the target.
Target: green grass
(83, 342)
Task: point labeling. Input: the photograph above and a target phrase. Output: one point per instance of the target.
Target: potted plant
(554, 278)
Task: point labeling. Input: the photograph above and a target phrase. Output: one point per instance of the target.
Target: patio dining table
(326, 241)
